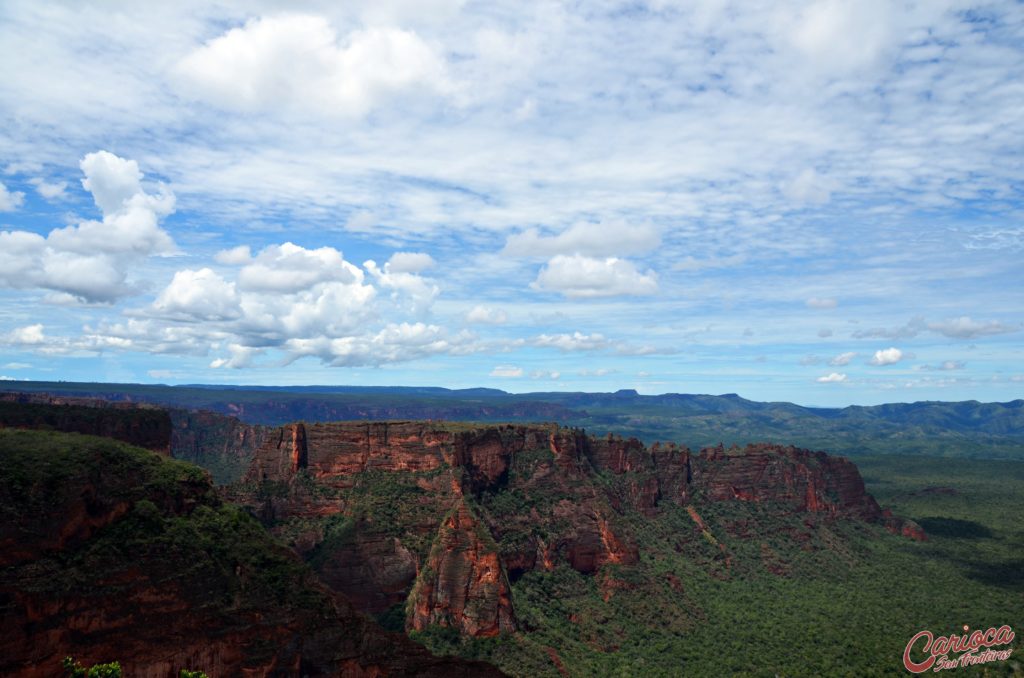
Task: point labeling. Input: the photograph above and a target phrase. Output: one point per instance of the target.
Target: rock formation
(111, 553)
(462, 510)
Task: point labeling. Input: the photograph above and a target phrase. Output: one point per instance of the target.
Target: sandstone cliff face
(799, 479)
(441, 517)
(463, 584)
(136, 560)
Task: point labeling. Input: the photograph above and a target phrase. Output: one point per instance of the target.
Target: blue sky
(818, 202)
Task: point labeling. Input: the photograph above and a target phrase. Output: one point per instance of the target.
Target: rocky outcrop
(505, 500)
(463, 584)
(797, 479)
(129, 557)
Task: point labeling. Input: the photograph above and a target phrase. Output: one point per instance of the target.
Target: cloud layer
(690, 195)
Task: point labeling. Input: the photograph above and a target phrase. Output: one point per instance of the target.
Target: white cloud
(822, 303)
(241, 356)
(507, 372)
(296, 301)
(201, 294)
(91, 260)
(842, 359)
(10, 200)
(833, 378)
(580, 277)
(414, 291)
(485, 315)
(236, 256)
(965, 328)
(410, 262)
(30, 335)
(577, 341)
(592, 239)
(289, 268)
(17, 366)
(887, 356)
(50, 191)
(599, 372)
(297, 63)
(545, 374)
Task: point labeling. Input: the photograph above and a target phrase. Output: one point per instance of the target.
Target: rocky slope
(428, 524)
(110, 552)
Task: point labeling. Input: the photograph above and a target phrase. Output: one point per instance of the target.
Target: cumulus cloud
(418, 293)
(507, 371)
(289, 268)
(581, 277)
(10, 200)
(298, 302)
(90, 261)
(592, 239)
(298, 63)
(821, 303)
(833, 378)
(887, 356)
(484, 315)
(842, 359)
(201, 294)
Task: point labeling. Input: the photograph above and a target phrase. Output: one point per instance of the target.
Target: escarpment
(113, 553)
(429, 524)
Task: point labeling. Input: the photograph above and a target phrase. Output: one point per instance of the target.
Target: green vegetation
(759, 592)
(76, 670)
(790, 595)
(167, 531)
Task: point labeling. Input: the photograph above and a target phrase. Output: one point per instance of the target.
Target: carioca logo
(938, 649)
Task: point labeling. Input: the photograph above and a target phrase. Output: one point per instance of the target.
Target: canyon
(413, 526)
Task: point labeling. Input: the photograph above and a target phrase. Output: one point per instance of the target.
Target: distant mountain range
(955, 429)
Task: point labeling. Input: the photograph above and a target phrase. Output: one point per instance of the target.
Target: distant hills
(967, 429)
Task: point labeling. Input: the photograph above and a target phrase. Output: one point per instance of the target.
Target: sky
(818, 202)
